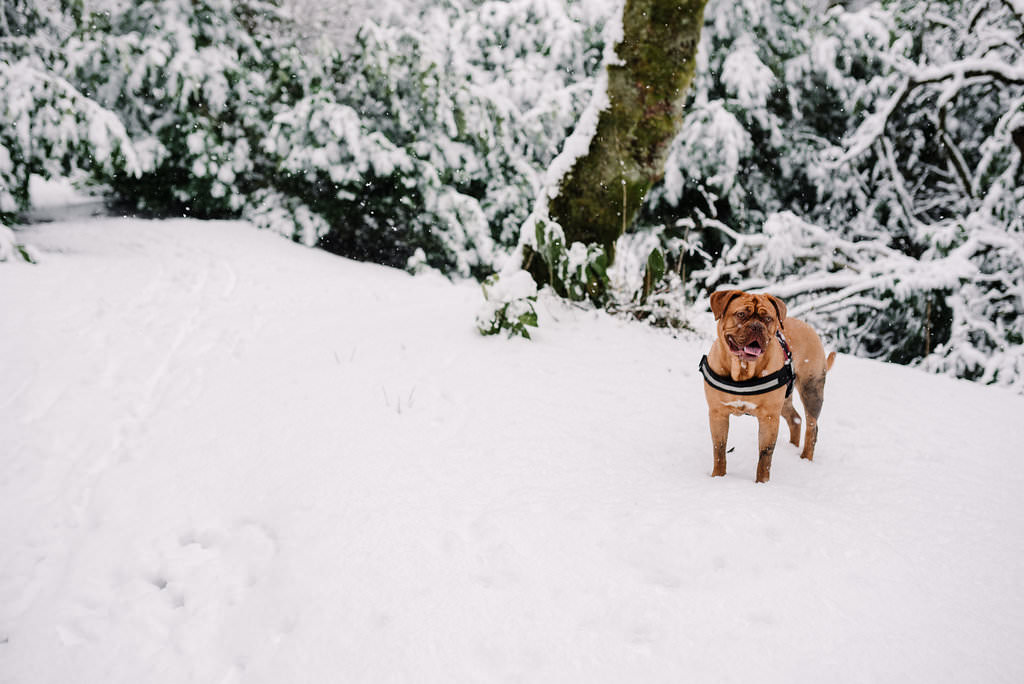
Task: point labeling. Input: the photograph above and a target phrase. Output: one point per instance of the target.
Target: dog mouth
(748, 351)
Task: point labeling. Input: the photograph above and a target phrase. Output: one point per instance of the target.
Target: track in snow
(229, 458)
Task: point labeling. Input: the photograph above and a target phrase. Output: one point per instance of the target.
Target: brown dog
(750, 371)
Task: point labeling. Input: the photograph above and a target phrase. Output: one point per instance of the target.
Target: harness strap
(784, 377)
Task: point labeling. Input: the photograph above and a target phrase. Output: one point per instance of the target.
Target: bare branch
(874, 126)
(956, 158)
(906, 201)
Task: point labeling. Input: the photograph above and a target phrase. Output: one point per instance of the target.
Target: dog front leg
(793, 420)
(767, 434)
(719, 439)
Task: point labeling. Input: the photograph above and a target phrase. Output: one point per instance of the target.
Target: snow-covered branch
(965, 69)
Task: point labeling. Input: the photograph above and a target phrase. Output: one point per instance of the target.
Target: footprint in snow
(215, 566)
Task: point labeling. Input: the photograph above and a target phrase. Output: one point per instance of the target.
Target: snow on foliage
(877, 187)
(49, 127)
(746, 79)
(427, 137)
(509, 298)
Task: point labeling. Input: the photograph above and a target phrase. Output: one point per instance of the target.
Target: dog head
(747, 322)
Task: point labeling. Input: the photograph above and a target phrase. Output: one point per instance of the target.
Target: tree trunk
(600, 195)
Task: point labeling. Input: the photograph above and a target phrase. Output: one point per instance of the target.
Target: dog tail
(829, 361)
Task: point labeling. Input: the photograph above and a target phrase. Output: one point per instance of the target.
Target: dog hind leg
(812, 395)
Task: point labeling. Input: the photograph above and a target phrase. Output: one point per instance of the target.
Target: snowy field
(228, 458)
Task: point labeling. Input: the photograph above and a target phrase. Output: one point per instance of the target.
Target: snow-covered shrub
(376, 152)
(48, 128)
(10, 248)
(459, 112)
(509, 297)
(48, 125)
(577, 271)
(649, 279)
(424, 137)
(196, 83)
(985, 340)
(427, 138)
(286, 215)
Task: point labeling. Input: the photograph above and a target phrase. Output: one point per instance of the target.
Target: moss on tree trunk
(602, 192)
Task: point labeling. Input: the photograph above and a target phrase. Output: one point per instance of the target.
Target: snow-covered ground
(228, 458)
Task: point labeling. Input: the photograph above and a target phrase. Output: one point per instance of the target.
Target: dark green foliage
(654, 272)
(507, 311)
(911, 329)
(576, 272)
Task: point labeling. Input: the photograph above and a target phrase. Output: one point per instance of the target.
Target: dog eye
(741, 315)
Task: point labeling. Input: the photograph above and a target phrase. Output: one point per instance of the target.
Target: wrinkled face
(747, 322)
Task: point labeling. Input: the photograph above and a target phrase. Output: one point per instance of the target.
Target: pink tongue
(752, 350)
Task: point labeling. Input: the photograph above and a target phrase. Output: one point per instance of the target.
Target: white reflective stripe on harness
(771, 384)
(780, 378)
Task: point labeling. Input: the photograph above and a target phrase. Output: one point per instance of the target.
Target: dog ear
(720, 301)
(780, 308)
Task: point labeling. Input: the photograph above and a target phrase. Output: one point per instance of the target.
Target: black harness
(783, 377)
